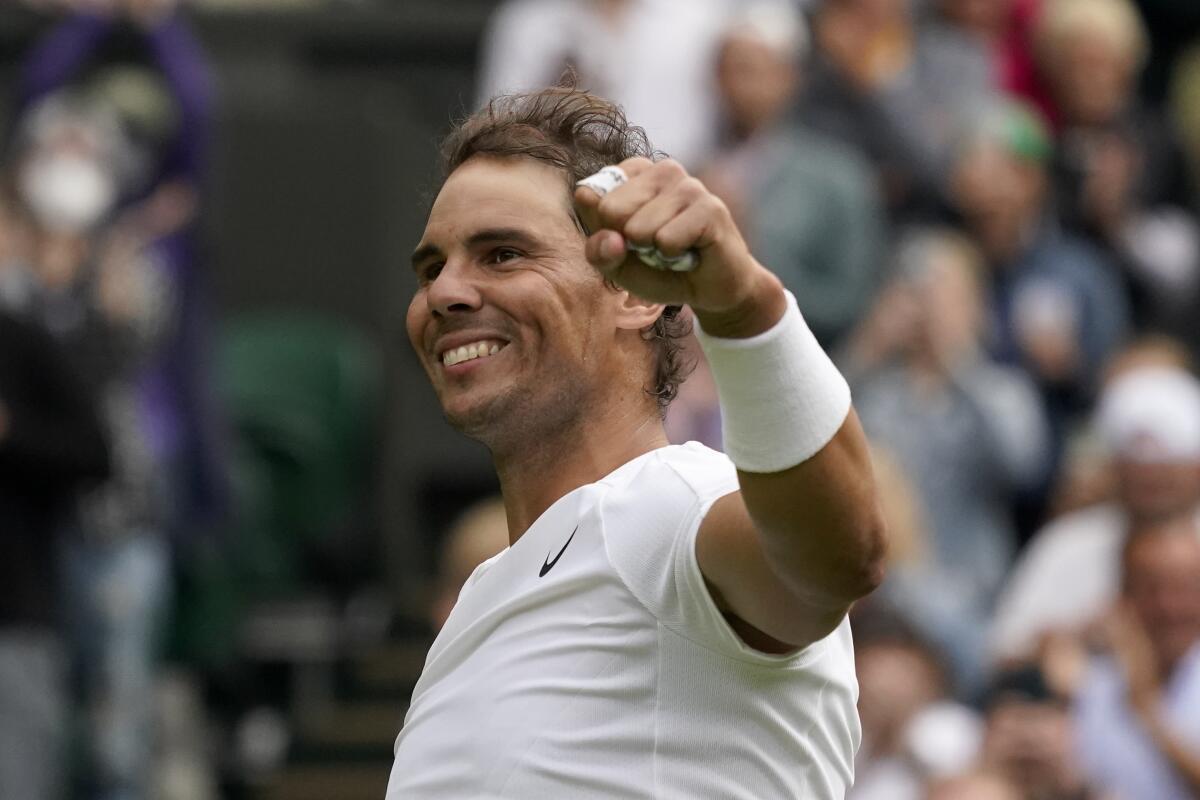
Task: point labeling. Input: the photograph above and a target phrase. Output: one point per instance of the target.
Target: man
(926, 389)
(1119, 174)
(661, 625)
(1029, 739)
(51, 445)
(1058, 306)
(1149, 419)
(1138, 711)
(809, 206)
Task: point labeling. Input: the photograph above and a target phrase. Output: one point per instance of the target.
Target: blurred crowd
(987, 211)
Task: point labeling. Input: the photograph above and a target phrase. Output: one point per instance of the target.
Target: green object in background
(302, 396)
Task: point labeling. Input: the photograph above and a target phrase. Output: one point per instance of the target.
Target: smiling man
(667, 621)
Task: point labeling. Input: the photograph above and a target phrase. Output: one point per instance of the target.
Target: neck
(544, 468)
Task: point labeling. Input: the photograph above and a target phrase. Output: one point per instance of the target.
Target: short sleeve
(650, 526)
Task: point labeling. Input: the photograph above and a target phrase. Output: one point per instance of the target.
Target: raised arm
(787, 555)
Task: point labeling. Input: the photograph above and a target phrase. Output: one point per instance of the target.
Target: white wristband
(782, 399)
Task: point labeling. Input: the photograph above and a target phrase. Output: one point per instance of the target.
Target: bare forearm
(819, 522)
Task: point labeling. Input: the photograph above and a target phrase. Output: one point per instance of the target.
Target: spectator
(895, 92)
(1086, 477)
(1138, 712)
(140, 59)
(51, 443)
(103, 299)
(925, 390)
(900, 676)
(1120, 175)
(1029, 737)
(809, 206)
(107, 177)
(1149, 419)
(478, 535)
(654, 57)
(1058, 307)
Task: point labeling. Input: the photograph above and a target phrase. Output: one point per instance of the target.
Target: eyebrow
(486, 236)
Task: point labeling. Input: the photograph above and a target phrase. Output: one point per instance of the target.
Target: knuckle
(692, 189)
(670, 170)
(612, 210)
(636, 164)
(713, 205)
(639, 232)
(670, 243)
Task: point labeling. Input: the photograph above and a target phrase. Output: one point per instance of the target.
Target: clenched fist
(662, 206)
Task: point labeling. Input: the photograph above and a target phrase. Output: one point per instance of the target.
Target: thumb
(605, 250)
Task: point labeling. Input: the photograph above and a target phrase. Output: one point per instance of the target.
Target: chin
(476, 417)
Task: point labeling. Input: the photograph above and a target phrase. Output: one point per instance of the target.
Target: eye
(429, 273)
(502, 254)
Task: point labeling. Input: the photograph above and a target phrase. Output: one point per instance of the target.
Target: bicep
(760, 607)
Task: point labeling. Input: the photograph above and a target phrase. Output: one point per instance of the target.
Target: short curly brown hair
(578, 133)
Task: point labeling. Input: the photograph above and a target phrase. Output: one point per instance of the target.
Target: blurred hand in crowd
(931, 312)
(974, 786)
(891, 327)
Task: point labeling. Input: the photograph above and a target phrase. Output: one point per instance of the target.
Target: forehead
(488, 192)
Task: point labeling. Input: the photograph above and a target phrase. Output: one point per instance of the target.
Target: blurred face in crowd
(1152, 490)
(480, 534)
(1092, 77)
(980, 17)
(1030, 744)
(756, 81)
(65, 180)
(1162, 584)
(518, 333)
(896, 680)
(998, 193)
(948, 296)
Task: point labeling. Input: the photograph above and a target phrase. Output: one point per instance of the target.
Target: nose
(453, 290)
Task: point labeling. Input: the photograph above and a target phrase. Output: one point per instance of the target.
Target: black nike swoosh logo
(548, 564)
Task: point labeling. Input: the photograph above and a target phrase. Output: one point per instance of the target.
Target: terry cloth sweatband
(782, 399)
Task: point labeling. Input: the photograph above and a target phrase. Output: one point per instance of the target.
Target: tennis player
(668, 621)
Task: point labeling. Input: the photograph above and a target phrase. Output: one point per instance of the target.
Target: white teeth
(481, 349)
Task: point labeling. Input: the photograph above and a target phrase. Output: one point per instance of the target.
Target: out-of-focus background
(231, 518)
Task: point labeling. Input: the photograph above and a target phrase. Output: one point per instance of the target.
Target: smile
(468, 352)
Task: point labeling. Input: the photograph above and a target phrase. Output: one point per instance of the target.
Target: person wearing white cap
(1149, 420)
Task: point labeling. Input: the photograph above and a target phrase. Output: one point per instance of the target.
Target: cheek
(415, 319)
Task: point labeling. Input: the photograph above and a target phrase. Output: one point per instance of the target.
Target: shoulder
(687, 472)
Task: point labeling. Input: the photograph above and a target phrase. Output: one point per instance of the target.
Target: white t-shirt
(588, 660)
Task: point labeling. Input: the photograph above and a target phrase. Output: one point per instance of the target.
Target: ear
(635, 314)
